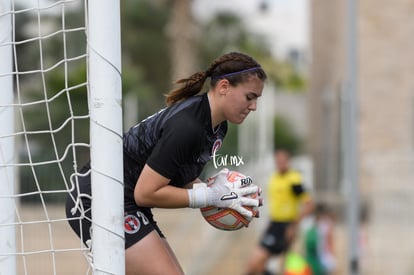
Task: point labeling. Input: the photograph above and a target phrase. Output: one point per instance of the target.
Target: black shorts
(274, 239)
(138, 221)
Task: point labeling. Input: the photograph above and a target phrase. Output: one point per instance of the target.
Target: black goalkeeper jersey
(176, 142)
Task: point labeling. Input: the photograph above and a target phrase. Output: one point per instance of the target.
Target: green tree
(145, 53)
(285, 136)
(56, 125)
(146, 72)
(54, 111)
(226, 32)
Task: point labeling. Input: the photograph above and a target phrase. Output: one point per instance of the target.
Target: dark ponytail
(191, 86)
(235, 67)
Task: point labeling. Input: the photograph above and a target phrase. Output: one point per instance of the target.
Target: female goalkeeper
(165, 153)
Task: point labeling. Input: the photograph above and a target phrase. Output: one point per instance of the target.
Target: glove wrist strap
(197, 196)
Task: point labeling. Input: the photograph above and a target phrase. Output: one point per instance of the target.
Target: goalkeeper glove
(224, 194)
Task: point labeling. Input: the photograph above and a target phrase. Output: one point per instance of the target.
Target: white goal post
(30, 156)
(105, 105)
(7, 179)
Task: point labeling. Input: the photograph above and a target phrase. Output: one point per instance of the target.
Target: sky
(285, 23)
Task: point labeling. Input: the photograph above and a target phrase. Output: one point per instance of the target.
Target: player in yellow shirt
(288, 203)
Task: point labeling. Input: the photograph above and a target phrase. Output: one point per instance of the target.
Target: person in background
(319, 242)
(288, 202)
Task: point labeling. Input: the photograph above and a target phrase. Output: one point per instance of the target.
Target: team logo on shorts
(131, 224)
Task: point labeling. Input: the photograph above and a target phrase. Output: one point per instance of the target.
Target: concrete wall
(326, 76)
(386, 126)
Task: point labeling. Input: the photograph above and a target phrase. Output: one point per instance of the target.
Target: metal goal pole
(7, 157)
(105, 98)
(349, 135)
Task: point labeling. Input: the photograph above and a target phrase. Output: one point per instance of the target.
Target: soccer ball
(226, 218)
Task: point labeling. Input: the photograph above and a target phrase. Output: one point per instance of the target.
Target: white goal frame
(7, 157)
(105, 111)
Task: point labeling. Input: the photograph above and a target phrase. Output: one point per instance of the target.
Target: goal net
(60, 107)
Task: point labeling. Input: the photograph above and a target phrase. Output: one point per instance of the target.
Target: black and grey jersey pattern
(176, 142)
